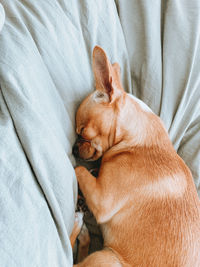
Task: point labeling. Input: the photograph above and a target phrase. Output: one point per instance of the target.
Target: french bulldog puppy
(144, 197)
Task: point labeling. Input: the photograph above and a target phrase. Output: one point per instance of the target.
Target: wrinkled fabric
(2, 17)
(46, 71)
(163, 44)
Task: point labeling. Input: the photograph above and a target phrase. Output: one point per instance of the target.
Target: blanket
(46, 71)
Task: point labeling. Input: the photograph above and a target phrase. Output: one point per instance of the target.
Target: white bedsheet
(45, 71)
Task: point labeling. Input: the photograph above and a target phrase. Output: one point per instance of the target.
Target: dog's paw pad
(84, 237)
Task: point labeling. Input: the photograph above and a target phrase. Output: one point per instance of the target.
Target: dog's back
(158, 225)
(159, 222)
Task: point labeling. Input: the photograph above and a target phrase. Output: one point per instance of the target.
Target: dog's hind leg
(77, 227)
(84, 242)
(103, 258)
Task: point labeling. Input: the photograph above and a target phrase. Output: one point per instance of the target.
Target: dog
(144, 197)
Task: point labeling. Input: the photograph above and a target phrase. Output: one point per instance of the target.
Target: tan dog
(144, 197)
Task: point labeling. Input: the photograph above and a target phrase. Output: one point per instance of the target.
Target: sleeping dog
(144, 197)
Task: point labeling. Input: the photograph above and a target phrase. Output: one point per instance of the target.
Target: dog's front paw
(79, 170)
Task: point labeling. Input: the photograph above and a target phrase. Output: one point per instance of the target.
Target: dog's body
(144, 197)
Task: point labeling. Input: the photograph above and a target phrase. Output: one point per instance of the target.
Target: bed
(45, 72)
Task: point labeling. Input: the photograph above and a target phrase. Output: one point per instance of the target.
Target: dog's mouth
(83, 149)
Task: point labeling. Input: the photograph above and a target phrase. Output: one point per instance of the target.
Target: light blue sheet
(45, 71)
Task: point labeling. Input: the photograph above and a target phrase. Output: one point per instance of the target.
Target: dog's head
(97, 114)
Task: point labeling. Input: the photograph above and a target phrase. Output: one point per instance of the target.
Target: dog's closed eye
(81, 131)
(81, 138)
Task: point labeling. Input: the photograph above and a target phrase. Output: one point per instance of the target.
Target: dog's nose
(75, 150)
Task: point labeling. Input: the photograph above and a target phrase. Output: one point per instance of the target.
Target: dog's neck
(136, 128)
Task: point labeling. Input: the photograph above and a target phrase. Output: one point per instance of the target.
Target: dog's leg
(102, 204)
(88, 185)
(77, 227)
(84, 242)
(103, 258)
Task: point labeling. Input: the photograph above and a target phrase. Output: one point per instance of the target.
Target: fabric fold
(2, 16)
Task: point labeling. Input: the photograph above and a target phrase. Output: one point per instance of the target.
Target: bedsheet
(45, 72)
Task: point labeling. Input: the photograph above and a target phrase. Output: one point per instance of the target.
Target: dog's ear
(116, 68)
(104, 73)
